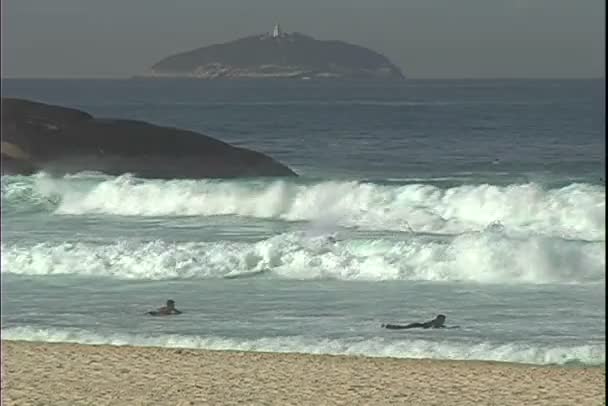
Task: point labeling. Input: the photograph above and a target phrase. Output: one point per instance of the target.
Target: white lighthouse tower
(276, 32)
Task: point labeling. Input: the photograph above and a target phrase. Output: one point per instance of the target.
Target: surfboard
(243, 275)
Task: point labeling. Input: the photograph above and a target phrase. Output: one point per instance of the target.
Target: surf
(575, 211)
(490, 256)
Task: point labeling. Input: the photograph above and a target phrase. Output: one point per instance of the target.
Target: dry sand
(71, 374)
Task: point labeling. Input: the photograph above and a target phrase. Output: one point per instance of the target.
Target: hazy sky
(426, 38)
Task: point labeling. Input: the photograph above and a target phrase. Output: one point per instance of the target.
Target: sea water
(481, 200)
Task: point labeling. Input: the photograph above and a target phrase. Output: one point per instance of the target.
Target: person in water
(437, 322)
(167, 310)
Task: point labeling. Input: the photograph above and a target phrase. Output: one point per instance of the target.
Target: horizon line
(136, 77)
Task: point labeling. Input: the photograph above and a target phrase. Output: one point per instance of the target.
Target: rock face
(58, 140)
(278, 55)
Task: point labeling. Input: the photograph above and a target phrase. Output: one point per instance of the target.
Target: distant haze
(426, 38)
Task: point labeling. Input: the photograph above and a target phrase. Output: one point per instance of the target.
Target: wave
(576, 211)
(592, 354)
(486, 257)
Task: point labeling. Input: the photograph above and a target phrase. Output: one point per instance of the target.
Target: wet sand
(72, 374)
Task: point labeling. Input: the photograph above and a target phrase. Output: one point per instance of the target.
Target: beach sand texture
(71, 374)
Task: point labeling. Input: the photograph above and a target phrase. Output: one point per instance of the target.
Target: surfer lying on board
(437, 322)
(167, 310)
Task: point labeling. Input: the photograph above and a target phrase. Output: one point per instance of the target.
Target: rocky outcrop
(282, 55)
(58, 140)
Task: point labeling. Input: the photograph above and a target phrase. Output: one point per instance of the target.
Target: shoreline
(330, 355)
(67, 373)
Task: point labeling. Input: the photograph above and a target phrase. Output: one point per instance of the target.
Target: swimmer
(167, 310)
(437, 322)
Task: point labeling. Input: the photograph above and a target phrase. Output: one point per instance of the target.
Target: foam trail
(576, 211)
(592, 354)
(487, 257)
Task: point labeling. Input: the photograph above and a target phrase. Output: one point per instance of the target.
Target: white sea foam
(591, 354)
(485, 257)
(576, 211)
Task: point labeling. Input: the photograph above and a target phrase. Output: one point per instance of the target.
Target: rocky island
(58, 140)
(277, 55)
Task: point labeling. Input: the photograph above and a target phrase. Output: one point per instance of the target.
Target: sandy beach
(72, 374)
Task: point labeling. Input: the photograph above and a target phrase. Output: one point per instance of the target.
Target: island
(58, 140)
(277, 55)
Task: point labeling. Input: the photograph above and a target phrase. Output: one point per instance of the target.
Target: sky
(425, 38)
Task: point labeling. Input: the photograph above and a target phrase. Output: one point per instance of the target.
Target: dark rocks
(58, 140)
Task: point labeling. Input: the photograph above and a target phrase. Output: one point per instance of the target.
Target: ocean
(481, 200)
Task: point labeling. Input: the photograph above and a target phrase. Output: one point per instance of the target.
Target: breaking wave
(576, 211)
(485, 257)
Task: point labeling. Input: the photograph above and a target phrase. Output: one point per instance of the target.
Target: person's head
(439, 320)
(170, 304)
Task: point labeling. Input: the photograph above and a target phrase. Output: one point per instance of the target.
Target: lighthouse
(276, 32)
